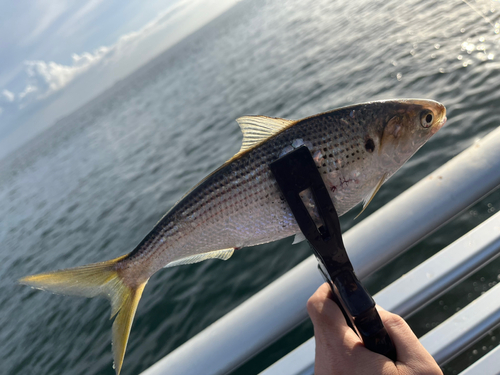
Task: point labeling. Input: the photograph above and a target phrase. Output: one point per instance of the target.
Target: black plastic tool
(296, 172)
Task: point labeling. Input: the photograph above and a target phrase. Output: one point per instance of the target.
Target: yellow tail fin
(93, 280)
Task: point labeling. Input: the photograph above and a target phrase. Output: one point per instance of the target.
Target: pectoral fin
(371, 195)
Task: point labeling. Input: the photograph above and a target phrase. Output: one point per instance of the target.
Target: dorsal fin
(223, 254)
(256, 129)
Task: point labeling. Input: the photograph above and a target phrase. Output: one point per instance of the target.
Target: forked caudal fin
(93, 280)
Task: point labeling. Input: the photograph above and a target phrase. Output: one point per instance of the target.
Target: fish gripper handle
(296, 172)
(365, 317)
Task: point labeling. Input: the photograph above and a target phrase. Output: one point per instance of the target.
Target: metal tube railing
(487, 365)
(298, 362)
(435, 276)
(464, 328)
(279, 307)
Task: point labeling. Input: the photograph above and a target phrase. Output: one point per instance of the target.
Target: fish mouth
(439, 125)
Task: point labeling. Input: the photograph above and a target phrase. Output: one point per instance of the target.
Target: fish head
(406, 127)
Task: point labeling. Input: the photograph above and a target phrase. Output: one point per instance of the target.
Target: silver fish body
(355, 148)
(240, 205)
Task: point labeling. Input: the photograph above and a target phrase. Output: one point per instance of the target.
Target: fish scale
(355, 148)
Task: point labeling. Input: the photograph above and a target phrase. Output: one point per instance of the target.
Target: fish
(355, 148)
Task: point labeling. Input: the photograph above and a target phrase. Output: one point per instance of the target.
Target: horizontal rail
(300, 361)
(487, 365)
(435, 276)
(464, 328)
(279, 307)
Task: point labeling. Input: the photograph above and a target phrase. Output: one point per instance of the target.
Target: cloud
(49, 11)
(9, 96)
(107, 64)
(50, 77)
(45, 78)
(29, 89)
(81, 13)
(33, 83)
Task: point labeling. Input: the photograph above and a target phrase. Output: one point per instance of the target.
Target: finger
(334, 339)
(402, 336)
(410, 352)
(337, 346)
(325, 313)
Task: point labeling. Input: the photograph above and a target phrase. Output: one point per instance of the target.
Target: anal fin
(299, 237)
(223, 254)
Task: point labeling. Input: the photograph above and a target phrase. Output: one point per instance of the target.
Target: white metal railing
(433, 277)
(464, 328)
(486, 365)
(279, 307)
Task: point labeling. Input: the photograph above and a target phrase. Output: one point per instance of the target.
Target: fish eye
(426, 118)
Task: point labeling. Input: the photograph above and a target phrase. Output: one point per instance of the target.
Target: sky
(56, 55)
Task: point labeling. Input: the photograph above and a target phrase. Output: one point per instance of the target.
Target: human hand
(340, 351)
